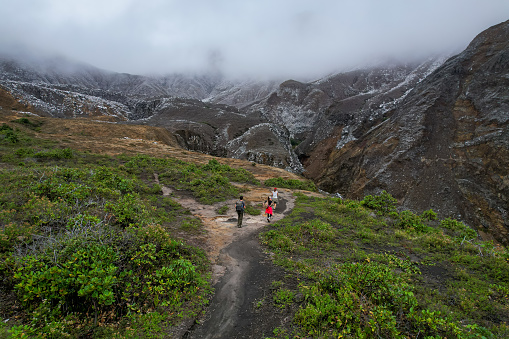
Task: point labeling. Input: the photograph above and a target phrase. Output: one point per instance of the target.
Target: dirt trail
(231, 312)
(240, 269)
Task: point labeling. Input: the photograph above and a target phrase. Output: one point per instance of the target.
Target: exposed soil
(247, 280)
(241, 273)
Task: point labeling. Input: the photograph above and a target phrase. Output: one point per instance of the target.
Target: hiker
(274, 197)
(239, 207)
(268, 209)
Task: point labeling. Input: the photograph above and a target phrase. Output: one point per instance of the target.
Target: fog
(269, 38)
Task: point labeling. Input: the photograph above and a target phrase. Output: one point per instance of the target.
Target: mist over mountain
(299, 40)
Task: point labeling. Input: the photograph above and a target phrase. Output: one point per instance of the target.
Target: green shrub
(12, 234)
(383, 203)
(40, 211)
(107, 178)
(24, 152)
(150, 325)
(28, 123)
(212, 189)
(409, 220)
(283, 297)
(129, 210)
(191, 224)
(429, 215)
(306, 185)
(359, 299)
(278, 241)
(65, 153)
(252, 210)
(87, 277)
(458, 228)
(93, 270)
(8, 135)
(222, 210)
(55, 188)
(314, 234)
(238, 175)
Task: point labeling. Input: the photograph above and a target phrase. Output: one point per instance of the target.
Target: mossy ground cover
(307, 185)
(360, 269)
(89, 246)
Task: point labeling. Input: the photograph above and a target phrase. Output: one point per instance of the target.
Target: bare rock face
(445, 145)
(241, 93)
(69, 90)
(313, 111)
(221, 130)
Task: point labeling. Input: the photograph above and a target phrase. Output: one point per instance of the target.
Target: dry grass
(110, 138)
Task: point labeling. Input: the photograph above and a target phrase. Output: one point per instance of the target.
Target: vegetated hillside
(444, 145)
(359, 269)
(76, 91)
(90, 247)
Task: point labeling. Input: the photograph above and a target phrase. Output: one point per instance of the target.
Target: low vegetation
(291, 184)
(89, 247)
(88, 244)
(364, 270)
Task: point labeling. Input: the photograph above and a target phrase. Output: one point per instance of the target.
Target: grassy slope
(359, 274)
(88, 244)
(351, 272)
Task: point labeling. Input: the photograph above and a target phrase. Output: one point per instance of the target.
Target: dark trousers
(239, 222)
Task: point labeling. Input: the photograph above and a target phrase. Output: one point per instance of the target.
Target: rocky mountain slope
(260, 121)
(444, 144)
(59, 88)
(433, 134)
(314, 111)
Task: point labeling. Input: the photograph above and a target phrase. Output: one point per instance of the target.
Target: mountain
(444, 144)
(315, 111)
(64, 89)
(432, 133)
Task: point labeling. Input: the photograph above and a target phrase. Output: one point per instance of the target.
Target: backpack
(239, 206)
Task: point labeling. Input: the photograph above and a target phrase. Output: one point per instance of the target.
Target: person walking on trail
(239, 207)
(274, 197)
(268, 209)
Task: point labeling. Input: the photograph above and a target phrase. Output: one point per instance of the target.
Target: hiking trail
(239, 267)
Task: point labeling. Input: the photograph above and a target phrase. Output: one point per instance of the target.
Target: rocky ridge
(444, 145)
(68, 90)
(433, 134)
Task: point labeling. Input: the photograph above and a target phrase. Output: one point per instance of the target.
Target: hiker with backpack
(274, 197)
(239, 207)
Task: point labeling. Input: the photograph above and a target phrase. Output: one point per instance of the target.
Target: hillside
(122, 245)
(115, 233)
(444, 145)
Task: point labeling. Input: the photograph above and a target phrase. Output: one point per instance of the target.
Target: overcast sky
(254, 37)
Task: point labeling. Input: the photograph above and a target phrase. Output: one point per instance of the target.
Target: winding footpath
(241, 271)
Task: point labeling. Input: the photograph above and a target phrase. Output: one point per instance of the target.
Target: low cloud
(290, 38)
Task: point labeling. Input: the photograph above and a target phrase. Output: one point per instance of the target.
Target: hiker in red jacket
(268, 209)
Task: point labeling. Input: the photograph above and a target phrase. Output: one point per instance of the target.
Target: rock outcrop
(445, 145)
